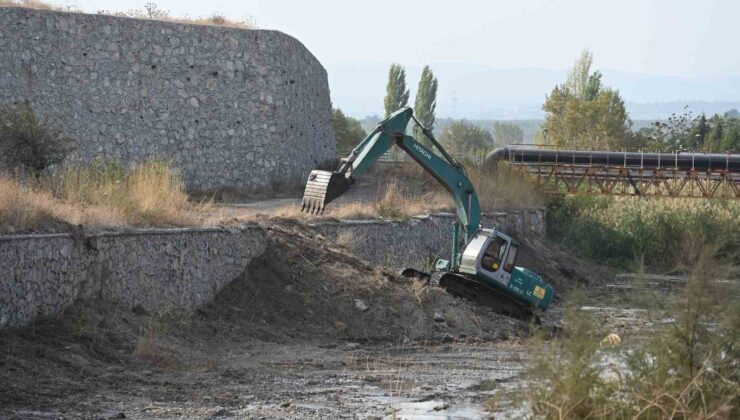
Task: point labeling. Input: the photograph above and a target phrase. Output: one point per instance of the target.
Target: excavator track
(477, 292)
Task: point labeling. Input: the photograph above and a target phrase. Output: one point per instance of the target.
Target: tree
(682, 131)
(582, 113)
(466, 138)
(714, 136)
(397, 96)
(426, 102)
(505, 133)
(28, 142)
(347, 131)
(699, 131)
(579, 76)
(731, 136)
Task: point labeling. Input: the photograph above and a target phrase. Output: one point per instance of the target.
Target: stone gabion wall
(233, 108)
(421, 239)
(41, 275)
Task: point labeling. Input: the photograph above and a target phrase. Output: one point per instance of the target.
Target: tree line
(581, 113)
(459, 136)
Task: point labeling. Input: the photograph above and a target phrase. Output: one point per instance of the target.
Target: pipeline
(680, 160)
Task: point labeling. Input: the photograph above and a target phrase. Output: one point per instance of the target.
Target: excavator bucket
(322, 188)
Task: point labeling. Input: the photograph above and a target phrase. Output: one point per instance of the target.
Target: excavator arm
(325, 186)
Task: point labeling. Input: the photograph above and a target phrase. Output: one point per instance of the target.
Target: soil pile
(306, 287)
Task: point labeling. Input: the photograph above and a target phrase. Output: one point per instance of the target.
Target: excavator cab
(491, 256)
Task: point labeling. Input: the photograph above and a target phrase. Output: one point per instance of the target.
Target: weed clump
(502, 188)
(101, 194)
(618, 230)
(29, 143)
(687, 368)
(149, 194)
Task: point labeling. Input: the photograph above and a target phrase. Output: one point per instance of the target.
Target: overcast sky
(655, 37)
(679, 38)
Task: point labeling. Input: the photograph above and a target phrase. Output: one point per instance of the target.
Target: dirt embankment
(304, 303)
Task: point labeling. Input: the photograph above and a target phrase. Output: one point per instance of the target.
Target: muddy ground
(306, 332)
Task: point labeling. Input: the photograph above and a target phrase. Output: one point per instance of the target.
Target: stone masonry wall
(41, 275)
(423, 238)
(233, 108)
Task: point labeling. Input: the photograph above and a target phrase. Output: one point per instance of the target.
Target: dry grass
(500, 189)
(686, 368)
(25, 209)
(150, 12)
(29, 4)
(394, 203)
(503, 188)
(150, 194)
(101, 195)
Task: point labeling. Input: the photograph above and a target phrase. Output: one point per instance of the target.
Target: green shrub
(27, 142)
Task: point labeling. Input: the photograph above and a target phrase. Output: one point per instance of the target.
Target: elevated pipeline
(680, 160)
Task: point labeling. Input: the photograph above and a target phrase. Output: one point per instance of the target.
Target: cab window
(511, 259)
(494, 254)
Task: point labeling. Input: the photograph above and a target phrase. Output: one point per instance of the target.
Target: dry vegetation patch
(103, 194)
(409, 192)
(150, 12)
(686, 368)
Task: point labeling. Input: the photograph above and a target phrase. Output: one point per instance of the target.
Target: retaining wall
(422, 238)
(233, 108)
(41, 275)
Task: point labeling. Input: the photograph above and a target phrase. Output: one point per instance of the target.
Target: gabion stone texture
(232, 108)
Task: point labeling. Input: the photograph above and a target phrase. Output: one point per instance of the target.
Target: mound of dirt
(305, 287)
(560, 267)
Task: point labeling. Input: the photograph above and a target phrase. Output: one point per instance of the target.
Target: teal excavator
(482, 266)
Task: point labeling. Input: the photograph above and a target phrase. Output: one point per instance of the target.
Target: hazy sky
(689, 41)
(655, 37)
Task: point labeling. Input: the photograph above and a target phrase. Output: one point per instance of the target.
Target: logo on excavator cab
(422, 151)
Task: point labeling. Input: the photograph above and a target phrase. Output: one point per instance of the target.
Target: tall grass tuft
(101, 194)
(21, 209)
(620, 230)
(689, 367)
(150, 194)
(503, 188)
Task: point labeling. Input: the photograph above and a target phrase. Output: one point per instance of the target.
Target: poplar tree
(425, 102)
(397, 96)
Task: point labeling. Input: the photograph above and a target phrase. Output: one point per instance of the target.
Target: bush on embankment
(620, 231)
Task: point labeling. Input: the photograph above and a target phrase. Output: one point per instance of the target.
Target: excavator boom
(325, 186)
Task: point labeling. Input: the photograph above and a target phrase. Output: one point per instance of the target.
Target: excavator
(482, 266)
